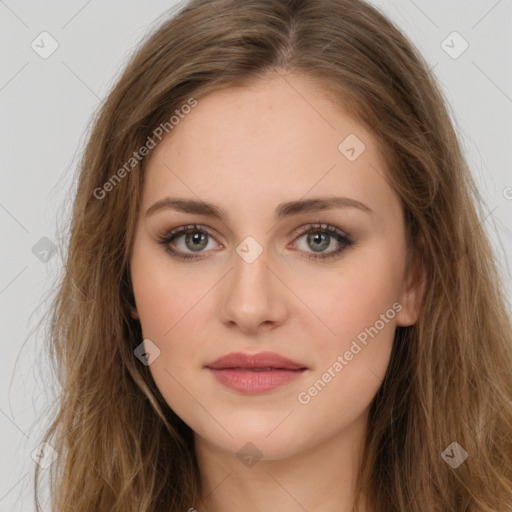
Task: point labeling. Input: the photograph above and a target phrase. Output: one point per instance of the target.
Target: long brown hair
(121, 448)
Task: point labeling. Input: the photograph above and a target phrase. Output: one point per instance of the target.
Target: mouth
(255, 373)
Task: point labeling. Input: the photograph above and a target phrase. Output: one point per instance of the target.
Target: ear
(131, 300)
(133, 312)
(411, 296)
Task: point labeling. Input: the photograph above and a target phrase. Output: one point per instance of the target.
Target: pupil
(198, 240)
(317, 239)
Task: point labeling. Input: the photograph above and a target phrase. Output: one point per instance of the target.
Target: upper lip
(260, 360)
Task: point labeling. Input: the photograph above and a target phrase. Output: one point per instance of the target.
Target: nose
(254, 296)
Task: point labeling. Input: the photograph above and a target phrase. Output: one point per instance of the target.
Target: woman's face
(300, 252)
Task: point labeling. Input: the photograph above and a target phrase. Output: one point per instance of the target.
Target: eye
(319, 237)
(196, 239)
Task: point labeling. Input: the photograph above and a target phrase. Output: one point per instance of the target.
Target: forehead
(265, 143)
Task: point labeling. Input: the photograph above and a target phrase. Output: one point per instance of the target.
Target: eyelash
(338, 235)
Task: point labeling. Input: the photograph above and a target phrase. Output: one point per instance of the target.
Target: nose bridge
(252, 294)
(250, 280)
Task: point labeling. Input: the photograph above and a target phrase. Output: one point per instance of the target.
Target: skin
(247, 150)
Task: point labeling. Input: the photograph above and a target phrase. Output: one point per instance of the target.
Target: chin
(260, 439)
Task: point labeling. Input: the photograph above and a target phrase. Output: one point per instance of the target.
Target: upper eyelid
(321, 226)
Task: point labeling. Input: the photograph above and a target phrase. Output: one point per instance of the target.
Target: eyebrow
(283, 210)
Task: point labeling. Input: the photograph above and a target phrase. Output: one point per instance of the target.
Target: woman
(278, 293)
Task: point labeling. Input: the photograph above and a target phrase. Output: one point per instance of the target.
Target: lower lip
(253, 382)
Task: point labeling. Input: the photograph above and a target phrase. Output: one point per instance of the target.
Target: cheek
(164, 294)
(360, 310)
(351, 361)
(168, 312)
(355, 297)
(171, 304)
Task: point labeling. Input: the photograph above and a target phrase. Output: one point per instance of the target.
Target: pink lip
(249, 373)
(260, 360)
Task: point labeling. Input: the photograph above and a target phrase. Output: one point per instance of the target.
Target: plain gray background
(46, 105)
